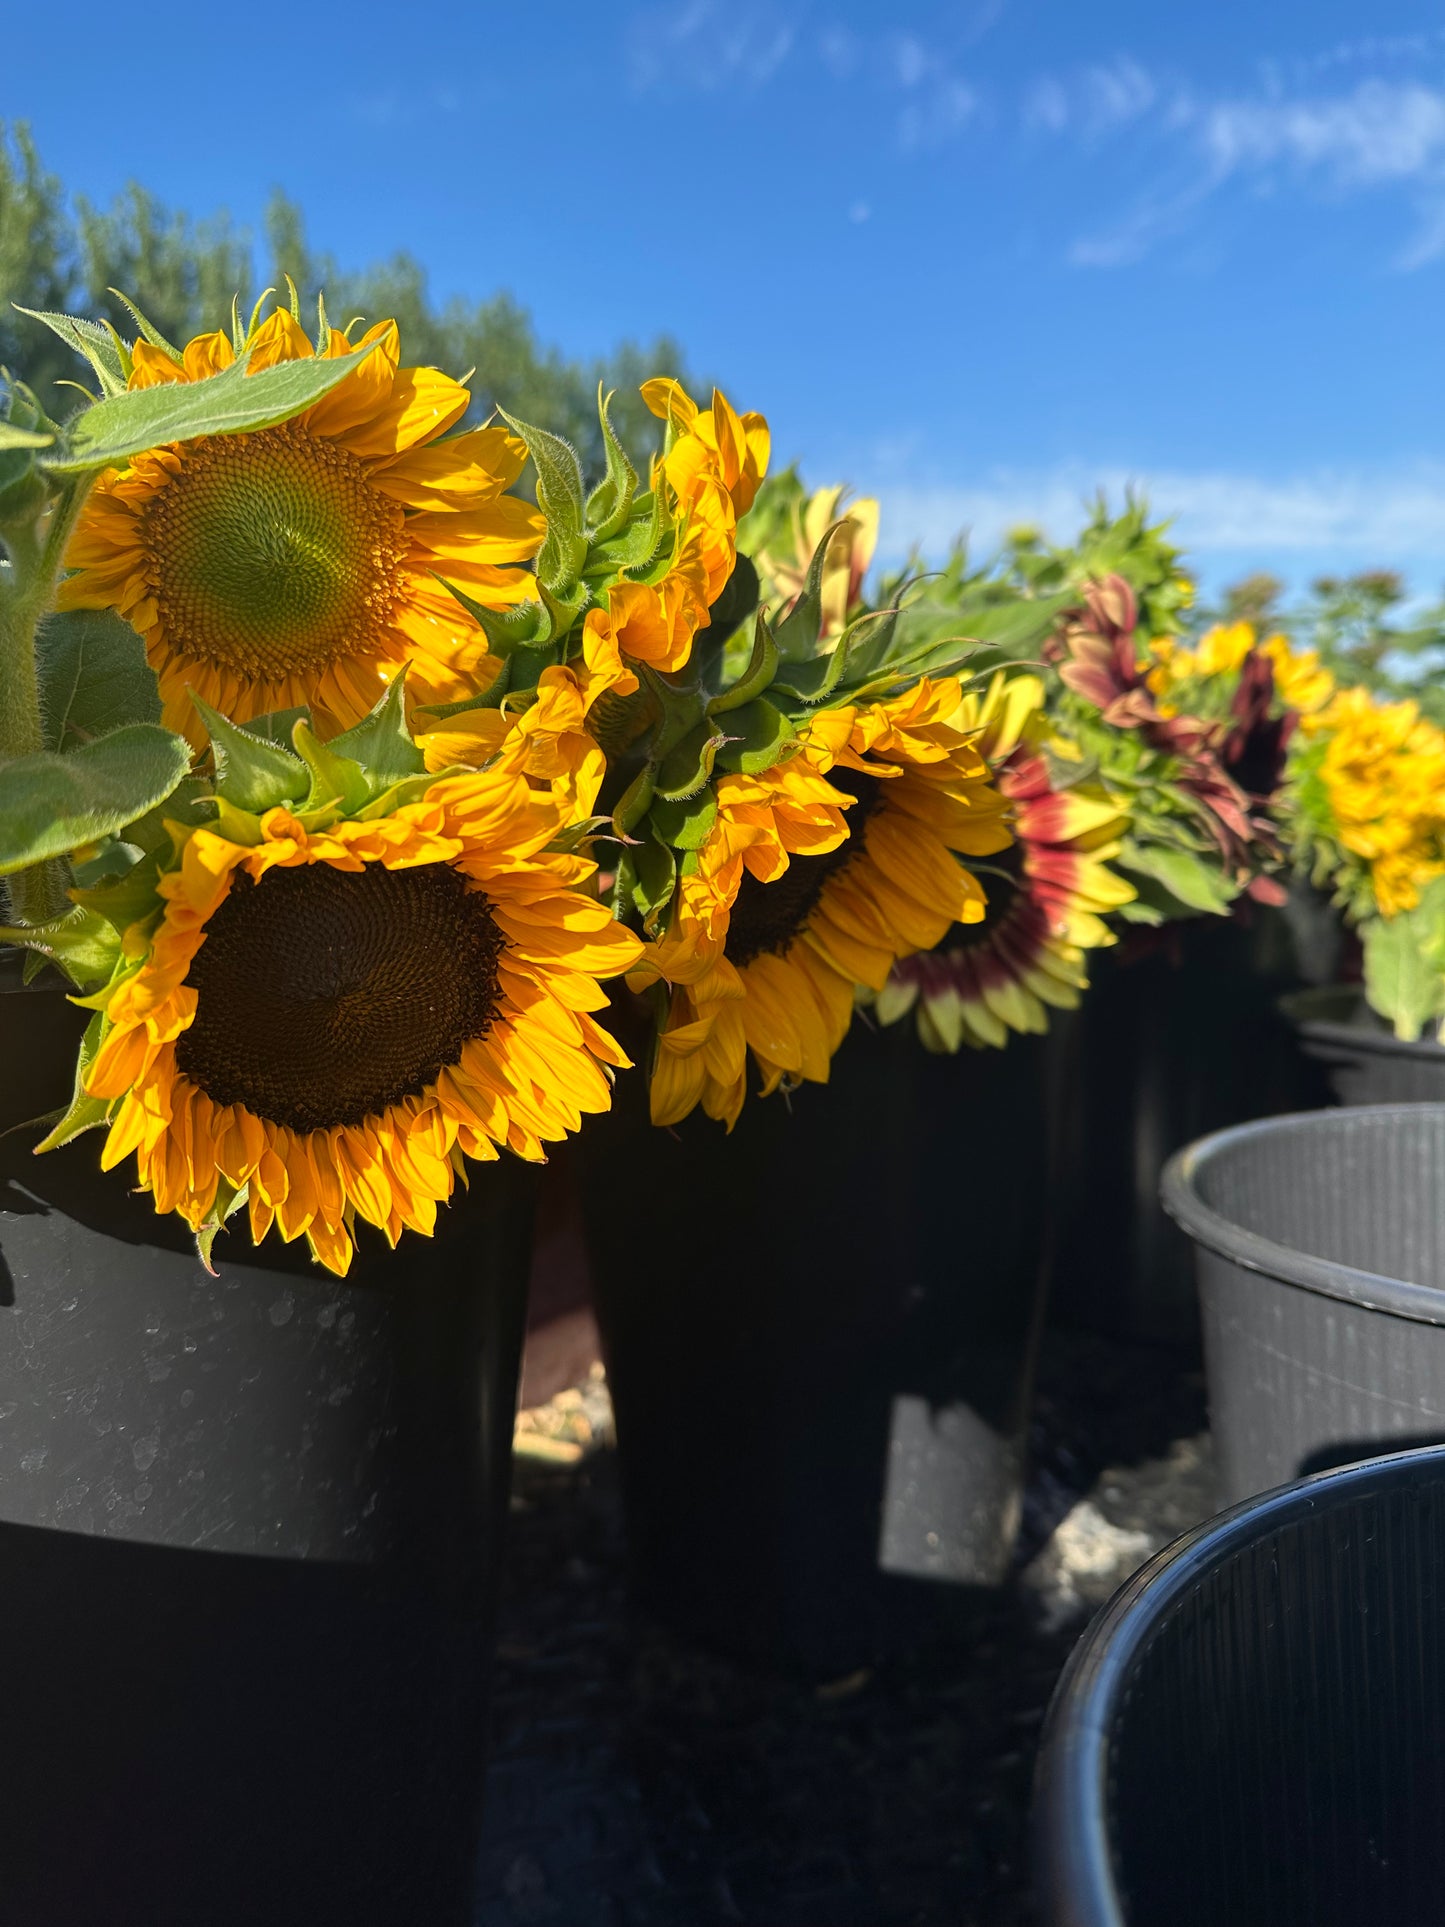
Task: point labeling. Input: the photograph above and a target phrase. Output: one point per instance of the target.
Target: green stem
(36, 556)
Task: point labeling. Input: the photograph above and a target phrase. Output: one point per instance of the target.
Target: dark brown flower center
(1005, 892)
(324, 995)
(766, 917)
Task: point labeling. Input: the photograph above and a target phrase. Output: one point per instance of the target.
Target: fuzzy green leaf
(78, 942)
(762, 666)
(93, 341)
(646, 875)
(1401, 981)
(1193, 882)
(225, 404)
(85, 1113)
(797, 633)
(94, 677)
(51, 804)
(13, 436)
(635, 545)
(131, 899)
(688, 765)
(253, 774)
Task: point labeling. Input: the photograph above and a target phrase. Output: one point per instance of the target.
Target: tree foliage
(59, 254)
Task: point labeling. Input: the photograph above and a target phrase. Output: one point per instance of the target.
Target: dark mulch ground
(638, 1783)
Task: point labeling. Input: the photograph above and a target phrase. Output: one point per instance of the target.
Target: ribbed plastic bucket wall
(1251, 1732)
(1320, 1244)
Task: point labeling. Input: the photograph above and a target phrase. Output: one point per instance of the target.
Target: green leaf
(736, 601)
(381, 742)
(634, 546)
(92, 340)
(688, 765)
(559, 496)
(810, 682)
(225, 404)
(634, 802)
(50, 804)
(1401, 981)
(278, 725)
(609, 502)
(94, 677)
(253, 774)
(334, 779)
(1190, 880)
(130, 899)
(685, 825)
(85, 1113)
(517, 627)
(759, 735)
(78, 942)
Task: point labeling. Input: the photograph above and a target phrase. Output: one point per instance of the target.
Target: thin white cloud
(1388, 516)
(708, 46)
(1379, 132)
(1093, 102)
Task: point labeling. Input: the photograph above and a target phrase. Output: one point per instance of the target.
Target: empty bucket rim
(1071, 1794)
(1180, 1196)
(1322, 1014)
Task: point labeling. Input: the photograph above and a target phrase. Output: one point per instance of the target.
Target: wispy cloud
(1374, 136)
(1390, 516)
(707, 46)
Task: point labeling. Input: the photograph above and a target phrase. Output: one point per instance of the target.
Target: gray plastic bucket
(1249, 1734)
(1320, 1247)
(1364, 1060)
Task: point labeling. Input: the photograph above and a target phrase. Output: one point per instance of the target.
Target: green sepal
(94, 341)
(797, 633)
(94, 677)
(334, 779)
(610, 501)
(517, 627)
(78, 942)
(634, 802)
(225, 404)
(229, 1200)
(686, 825)
(13, 436)
(636, 544)
(562, 611)
(762, 666)
(381, 742)
(52, 804)
(277, 725)
(148, 328)
(409, 790)
(759, 736)
(736, 601)
(688, 765)
(813, 681)
(559, 496)
(646, 878)
(129, 900)
(84, 1112)
(113, 859)
(253, 774)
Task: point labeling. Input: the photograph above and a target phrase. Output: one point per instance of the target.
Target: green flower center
(271, 553)
(325, 995)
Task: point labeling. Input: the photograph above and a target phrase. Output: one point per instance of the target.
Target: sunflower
(1027, 954)
(326, 1014)
(298, 565)
(1371, 780)
(817, 876)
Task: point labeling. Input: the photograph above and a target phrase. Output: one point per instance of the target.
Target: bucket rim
(1071, 1793)
(1286, 1264)
(1320, 1013)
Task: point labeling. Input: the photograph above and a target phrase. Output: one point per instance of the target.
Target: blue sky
(972, 258)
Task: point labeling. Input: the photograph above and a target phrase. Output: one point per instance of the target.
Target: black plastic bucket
(1320, 1242)
(819, 1334)
(1180, 1033)
(249, 1543)
(1250, 1732)
(1364, 1060)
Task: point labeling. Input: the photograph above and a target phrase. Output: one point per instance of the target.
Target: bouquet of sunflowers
(1366, 822)
(337, 776)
